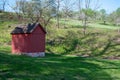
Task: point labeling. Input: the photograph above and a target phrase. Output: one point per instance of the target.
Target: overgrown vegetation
(97, 42)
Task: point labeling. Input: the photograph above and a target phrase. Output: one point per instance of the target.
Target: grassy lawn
(101, 41)
(56, 67)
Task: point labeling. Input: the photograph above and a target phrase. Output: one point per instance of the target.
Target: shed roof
(26, 29)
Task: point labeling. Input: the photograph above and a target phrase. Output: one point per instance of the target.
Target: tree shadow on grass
(51, 67)
(107, 48)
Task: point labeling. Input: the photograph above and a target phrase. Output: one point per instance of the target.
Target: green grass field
(64, 50)
(56, 67)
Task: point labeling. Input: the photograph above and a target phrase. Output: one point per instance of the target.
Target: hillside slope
(97, 42)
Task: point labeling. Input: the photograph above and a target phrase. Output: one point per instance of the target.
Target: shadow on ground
(51, 67)
(93, 44)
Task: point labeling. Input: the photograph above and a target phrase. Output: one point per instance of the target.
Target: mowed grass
(56, 67)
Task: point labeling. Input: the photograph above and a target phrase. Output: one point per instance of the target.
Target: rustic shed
(29, 40)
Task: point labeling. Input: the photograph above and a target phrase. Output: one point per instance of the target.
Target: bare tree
(85, 9)
(79, 7)
(58, 6)
(36, 10)
(67, 8)
(19, 8)
(2, 5)
(87, 6)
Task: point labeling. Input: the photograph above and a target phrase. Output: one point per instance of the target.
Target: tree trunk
(104, 22)
(119, 30)
(58, 13)
(85, 25)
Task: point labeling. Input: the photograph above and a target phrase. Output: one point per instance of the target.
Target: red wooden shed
(29, 40)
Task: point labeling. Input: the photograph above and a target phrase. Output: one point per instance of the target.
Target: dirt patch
(112, 58)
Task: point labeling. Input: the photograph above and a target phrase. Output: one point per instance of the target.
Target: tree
(114, 17)
(67, 9)
(50, 11)
(58, 6)
(87, 6)
(20, 8)
(118, 18)
(36, 10)
(2, 5)
(118, 12)
(103, 15)
(87, 11)
(81, 15)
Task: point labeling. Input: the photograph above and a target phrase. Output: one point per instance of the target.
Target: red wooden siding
(29, 43)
